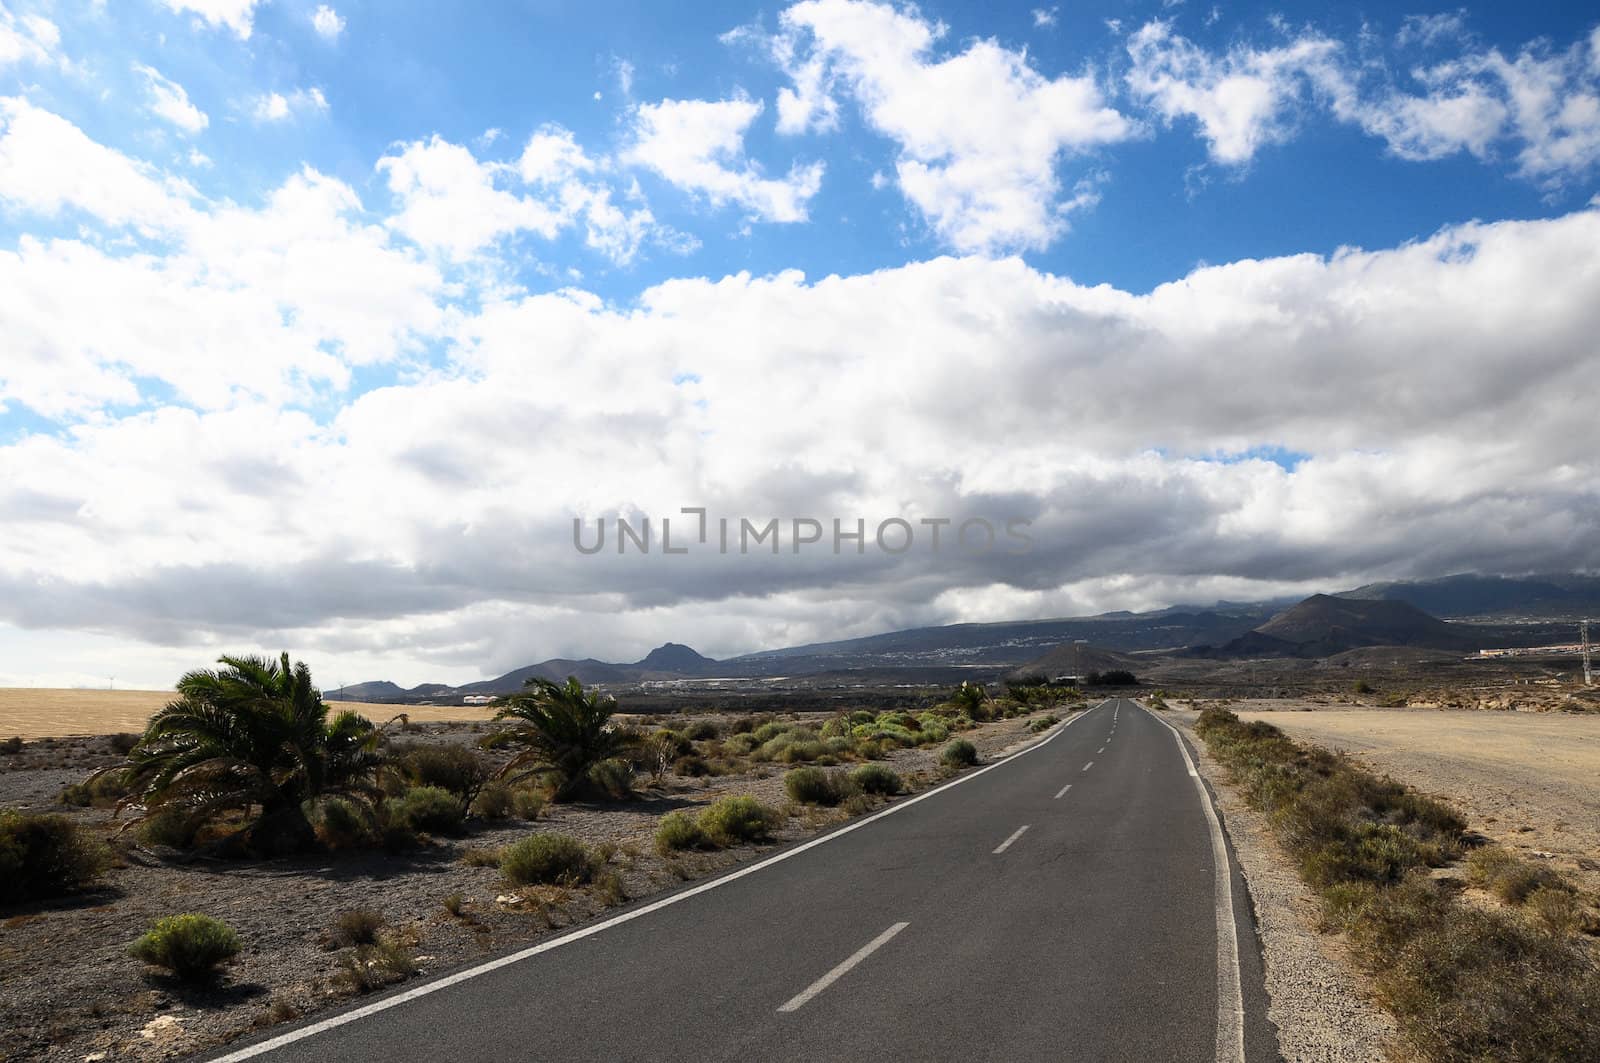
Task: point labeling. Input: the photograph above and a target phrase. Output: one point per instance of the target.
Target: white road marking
(1089, 765)
(344, 1018)
(1062, 792)
(843, 969)
(1003, 846)
(1102, 749)
(1230, 993)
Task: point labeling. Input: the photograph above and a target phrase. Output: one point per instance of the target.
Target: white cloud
(980, 133)
(236, 15)
(1540, 106)
(27, 39)
(48, 165)
(450, 203)
(698, 145)
(276, 107)
(437, 512)
(1045, 17)
(327, 22)
(169, 101)
(1241, 100)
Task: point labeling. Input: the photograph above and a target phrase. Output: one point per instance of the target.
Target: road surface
(1060, 905)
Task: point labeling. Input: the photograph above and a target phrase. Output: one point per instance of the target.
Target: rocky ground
(68, 990)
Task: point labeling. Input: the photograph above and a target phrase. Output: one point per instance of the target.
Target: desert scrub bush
(1043, 723)
(740, 745)
(1555, 910)
(1463, 984)
(811, 786)
(1506, 875)
(429, 809)
(612, 777)
(878, 779)
(678, 830)
(45, 856)
(770, 730)
(546, 859)
(173, 828)
(457, 770)
(341, 824)
(702, 730)
(11, 745)
(958, 754)
(493, 802)
(370, 967)
(610, 888)
(527, 803)
(692, 767)
(359, 926)
(192, 946)
(732, 820)
(101, 790)
(478, 856)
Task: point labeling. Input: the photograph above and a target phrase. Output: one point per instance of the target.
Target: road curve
(1060, 905)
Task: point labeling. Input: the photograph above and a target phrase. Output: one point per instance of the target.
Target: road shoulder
(1316, 997)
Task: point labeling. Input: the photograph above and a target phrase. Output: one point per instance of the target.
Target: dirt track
(1529, 780)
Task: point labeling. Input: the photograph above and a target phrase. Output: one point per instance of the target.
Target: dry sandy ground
(1528, 780)
(43, 713)
(68, 990)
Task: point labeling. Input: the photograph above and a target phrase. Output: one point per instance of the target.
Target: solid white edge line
(799, 1000)
(1003, 846)
(345, 1018)
(1230, 981)
(1089, 765)
(1062, 792)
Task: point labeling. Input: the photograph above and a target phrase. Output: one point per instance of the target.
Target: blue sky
(1231, 300)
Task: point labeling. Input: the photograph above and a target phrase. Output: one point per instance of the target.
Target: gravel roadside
(1316, 996)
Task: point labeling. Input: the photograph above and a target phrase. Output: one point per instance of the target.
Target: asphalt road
(1061, 905)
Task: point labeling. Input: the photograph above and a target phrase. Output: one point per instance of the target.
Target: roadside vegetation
(248, 763)
(1509, 979)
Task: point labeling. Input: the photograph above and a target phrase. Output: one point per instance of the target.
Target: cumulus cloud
(1540, 107)
(698, 145)
(1438, 391)
(170, 102)
(236, 15)
(979, 132)
(27, 39)
(327, 22)
(276, 107)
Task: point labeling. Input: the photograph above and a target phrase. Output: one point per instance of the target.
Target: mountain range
(1483, 610)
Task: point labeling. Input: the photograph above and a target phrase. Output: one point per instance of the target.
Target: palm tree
(255, 732)
(566, 730)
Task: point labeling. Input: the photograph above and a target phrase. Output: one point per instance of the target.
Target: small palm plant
(972, 699)
(566, 731)
(255, 733)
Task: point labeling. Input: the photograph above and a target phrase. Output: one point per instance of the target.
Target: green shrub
(741, 744)
(191, 946)
(102, 790)
(478, 856)
(732, 820)
(691, 767)
(342, 825)
(429, 809)
(171, 827)
(45, 856)
(958, 754)
(494, 801)
(768, 731)
(877, 779)
(1506, 875)
(678, 830)
(612, 777)
(457, 770)
(702, 731)
(374, 966)
(546, 859)
(526, 804)
(811, 786)
(359, 926)
(1044, 723)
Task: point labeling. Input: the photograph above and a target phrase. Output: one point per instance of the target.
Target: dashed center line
(1003, 846)
(1062, 792)
(1089, 765)
(801, 999)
